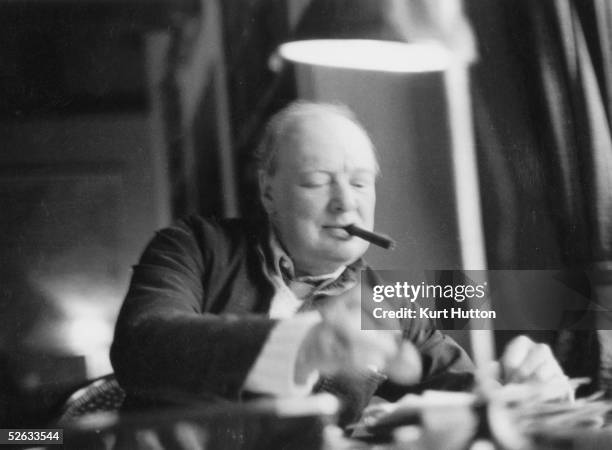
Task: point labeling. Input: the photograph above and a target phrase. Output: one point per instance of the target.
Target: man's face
(325, 179)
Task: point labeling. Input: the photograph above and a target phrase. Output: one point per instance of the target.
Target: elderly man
(228, 308)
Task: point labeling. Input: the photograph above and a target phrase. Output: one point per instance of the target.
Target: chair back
(101, 395)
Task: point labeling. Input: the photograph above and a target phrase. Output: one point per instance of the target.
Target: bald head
(296, 123)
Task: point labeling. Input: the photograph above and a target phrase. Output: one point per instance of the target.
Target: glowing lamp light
(365, 54)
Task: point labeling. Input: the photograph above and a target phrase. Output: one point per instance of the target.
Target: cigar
(375, 238)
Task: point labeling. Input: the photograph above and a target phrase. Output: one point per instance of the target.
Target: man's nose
(342, 198)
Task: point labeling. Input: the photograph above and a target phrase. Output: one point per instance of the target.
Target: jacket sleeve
(165, 345)
(446, 366)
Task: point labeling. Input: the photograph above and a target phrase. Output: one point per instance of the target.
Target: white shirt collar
(284, 265)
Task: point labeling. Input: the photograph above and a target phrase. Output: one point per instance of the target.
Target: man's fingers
(514, 355)
(405, 367)
(385, 350)
(524, 360)
(539, 365)
(373, 348)
(538, 355)
(324, 348)
(547, 371)
(340, 344)
(332, 346)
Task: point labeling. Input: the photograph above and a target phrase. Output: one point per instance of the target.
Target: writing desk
(306, 424)
(266, 424)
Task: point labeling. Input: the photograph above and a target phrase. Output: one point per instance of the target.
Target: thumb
(405, 366)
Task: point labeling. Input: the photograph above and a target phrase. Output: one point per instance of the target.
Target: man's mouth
(337, 231)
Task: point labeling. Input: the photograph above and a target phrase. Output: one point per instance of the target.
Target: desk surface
(309, 424)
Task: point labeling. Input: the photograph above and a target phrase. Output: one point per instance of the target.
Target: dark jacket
(195, 319)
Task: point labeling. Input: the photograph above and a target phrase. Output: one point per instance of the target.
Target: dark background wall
(79, 191)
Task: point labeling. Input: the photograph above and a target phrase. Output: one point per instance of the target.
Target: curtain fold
(558, 107)
(575, 110)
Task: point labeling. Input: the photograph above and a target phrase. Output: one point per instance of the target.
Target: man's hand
(338, 343)
(524, 360)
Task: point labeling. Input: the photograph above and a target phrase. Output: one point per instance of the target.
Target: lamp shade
(372, 55)
(411, 22)
(349, 19)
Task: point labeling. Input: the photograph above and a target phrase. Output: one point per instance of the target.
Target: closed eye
(315, 179)
(362, 183)
(311, 184)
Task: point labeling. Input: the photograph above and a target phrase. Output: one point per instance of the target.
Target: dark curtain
(575, 131)
(542, 112)
(253, 31)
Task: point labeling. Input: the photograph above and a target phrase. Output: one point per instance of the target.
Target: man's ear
(265, 191)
